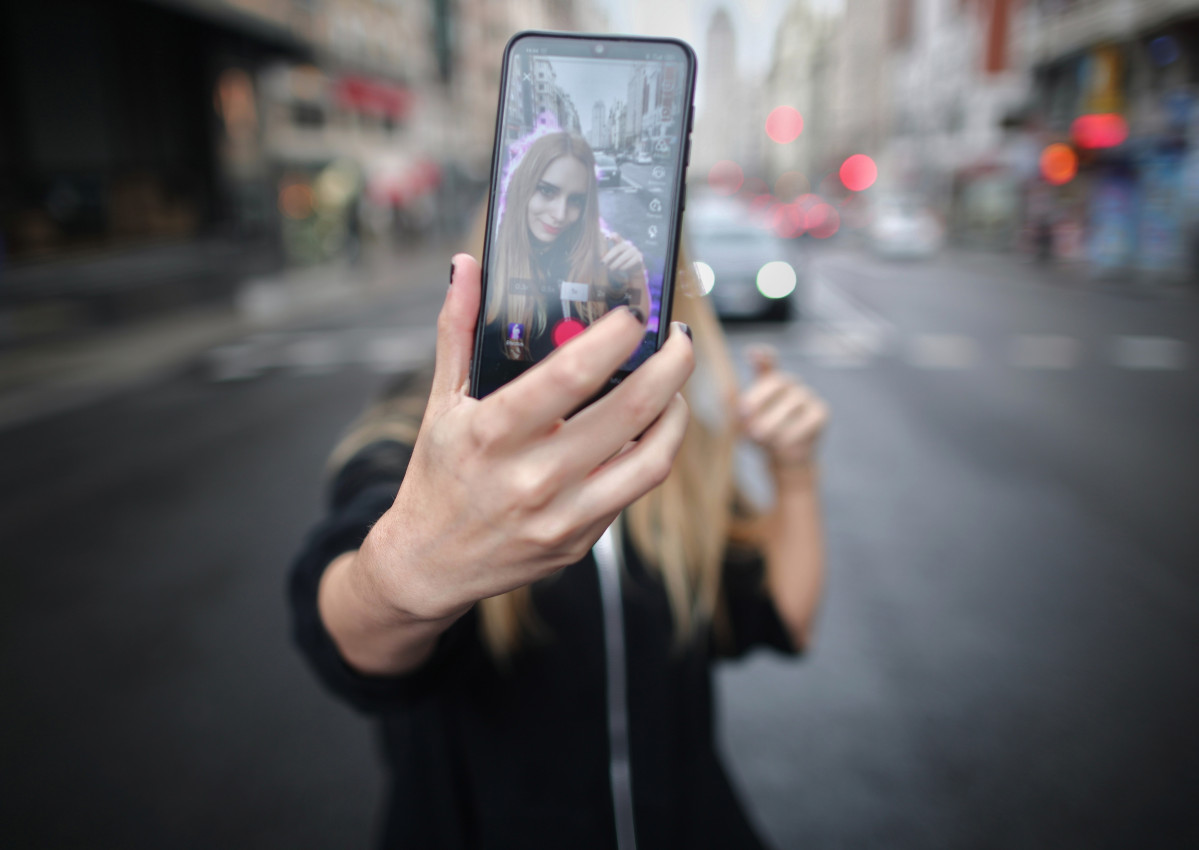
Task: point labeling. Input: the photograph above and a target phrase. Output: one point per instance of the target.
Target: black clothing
(487, 758)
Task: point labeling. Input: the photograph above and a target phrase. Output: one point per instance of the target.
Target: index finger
(549, 392)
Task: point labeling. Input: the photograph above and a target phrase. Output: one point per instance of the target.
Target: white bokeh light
(776, 280)
(707, 277)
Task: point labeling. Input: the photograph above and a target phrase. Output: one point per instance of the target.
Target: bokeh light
(784, 124)
(822, 221)
(1164, 50)
(726, 177)
(707, 277)
(790, 185)
(858, 173)
(1059, 164)
(776, 279)
(788, 221)
(296, 201)
(761, 209)
(1104, 130)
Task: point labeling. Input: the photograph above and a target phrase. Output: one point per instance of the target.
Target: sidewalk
(52, 377)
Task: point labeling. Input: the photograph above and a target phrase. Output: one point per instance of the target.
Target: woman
(550, 234)
(440, 592)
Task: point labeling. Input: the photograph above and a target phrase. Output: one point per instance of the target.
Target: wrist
(796, 476)
(388, 575)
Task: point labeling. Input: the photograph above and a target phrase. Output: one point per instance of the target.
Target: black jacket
(482, 757)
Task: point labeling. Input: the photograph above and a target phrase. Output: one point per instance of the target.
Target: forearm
(794, 548)
(374, 636)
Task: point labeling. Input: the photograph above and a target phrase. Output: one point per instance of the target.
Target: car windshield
(604, 159)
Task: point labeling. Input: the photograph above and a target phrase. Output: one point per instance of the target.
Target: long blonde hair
(516, 258)
(681, 530)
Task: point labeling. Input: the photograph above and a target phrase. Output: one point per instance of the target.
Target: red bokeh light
(1059, 164)
(1105, 130)
(784, 124)
(788, 221)
(726, 177)
(859, 172)
(822, 221)
(761, 208)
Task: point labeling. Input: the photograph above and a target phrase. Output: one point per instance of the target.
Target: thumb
(763, 359)
(456, 327)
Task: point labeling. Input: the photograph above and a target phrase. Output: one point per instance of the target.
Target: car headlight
(776, 280)
(707, 277)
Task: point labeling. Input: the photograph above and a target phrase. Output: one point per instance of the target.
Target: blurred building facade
(482, 28)
(798, 77)
(728, 124)
(957, 78)
(198, 141)
(1118, 83)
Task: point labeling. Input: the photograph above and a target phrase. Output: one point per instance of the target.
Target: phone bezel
(674, 220)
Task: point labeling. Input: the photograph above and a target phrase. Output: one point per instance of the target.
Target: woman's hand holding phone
(503, 491)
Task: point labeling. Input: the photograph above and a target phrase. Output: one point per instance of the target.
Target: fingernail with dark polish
(637, 314)
(451, 272)
(685, 328)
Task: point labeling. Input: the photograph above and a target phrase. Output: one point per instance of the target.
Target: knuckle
(485, 431)
(574, 375)
(641, 407)
(552, 534)
(534, 489)
(658, 468)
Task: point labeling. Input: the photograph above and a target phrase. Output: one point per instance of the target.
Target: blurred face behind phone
(559, 198)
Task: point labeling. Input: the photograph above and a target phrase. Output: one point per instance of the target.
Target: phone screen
(592, 143)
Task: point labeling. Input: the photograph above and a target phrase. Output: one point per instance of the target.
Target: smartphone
(592, 142)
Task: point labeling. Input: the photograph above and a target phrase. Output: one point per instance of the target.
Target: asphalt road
(1007, 656)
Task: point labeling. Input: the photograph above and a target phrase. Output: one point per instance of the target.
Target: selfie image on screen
(589, 150)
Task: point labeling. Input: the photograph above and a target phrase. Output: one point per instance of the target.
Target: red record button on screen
(567, 328)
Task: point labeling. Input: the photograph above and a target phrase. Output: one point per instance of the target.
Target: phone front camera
(599, 48)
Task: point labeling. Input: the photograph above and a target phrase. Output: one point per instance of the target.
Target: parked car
(904, 226)
(607, 169)
(748, 272)
(643, 158)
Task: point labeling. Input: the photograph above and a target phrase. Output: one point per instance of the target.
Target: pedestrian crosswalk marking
(942, 351)
(1043, 351)
(1149, 353)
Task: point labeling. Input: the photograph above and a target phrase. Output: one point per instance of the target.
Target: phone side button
(683, 198)
(687, 153)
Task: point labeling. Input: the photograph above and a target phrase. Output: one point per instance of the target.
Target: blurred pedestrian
(451, 590)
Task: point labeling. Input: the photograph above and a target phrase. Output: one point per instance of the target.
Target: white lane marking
(317, 355)
(1149, 353)
(1043, 351)
(847, 333)
(399, 352)
(234, 362)
(942, 352)
(838, 350)
(381, 351)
